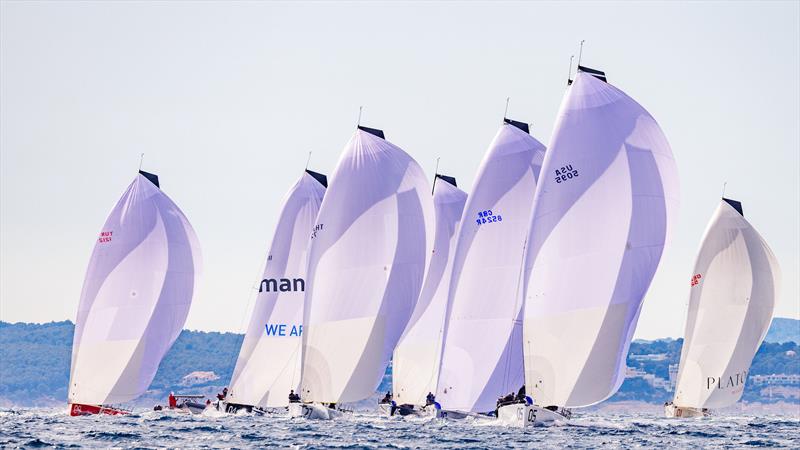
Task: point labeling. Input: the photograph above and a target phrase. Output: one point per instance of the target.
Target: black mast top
(735, 204)
(372, 131)
(323, 180)
(600, 75)
(521, 125)
(150, 176)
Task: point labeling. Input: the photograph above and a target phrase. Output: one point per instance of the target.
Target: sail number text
(566, 173)
(488, 216)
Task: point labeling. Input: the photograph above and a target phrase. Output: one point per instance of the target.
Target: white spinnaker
(136, 296)
(603, 209)
(415, 365)
(482, 355)
(734, 288)
(367, 258)
(268, 367)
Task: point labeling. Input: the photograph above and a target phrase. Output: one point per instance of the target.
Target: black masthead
(521, 125)
(150, 176)
(736, 205)
(372, 131)
(600, 75)
(323, 180)
(449, 179)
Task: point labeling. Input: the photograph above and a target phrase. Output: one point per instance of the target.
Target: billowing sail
(603, 207)
(136, 295)
(415, 366)
(482, 357)
(733, 292)
(367, 259)
(268, 367)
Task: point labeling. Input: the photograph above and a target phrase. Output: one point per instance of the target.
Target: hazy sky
(226, 100)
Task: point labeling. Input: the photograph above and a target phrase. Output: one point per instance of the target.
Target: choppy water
(53, 428)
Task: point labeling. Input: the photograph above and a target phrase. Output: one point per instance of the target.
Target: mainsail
(135, 298)
(601, 216)
(269, 360)
(733, 291)
(415, 366)
(482, 357)
(367, 259)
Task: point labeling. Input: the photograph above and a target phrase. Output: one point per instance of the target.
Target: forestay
(415, 366)
(135, 298)
(733, 292)
(482, 356)
(603, 208)
(367, 258)
(268, 367)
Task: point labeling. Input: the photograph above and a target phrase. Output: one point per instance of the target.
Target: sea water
(26, 428)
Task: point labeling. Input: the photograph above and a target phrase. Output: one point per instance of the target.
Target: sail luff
(268, 366)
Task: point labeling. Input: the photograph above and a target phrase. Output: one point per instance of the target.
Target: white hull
(314, 411)
(522, 415)
(672, 412)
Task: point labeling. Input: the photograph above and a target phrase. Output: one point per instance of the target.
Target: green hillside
(35, 360)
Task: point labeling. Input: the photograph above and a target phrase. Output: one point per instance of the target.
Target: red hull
(77, 409)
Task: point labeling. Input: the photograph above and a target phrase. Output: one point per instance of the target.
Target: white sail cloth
(482, 356)
(136, 296)
(415, 365)
(734, 288)
(268, 367)
(367, 259)
(603, 207)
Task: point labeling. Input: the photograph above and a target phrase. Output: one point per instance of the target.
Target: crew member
(387, 398)
(430, 399)
(173, 402)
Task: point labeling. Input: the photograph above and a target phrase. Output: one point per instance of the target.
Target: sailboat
(268, 367)
(482, 355)
(734, 287)
(368, 255)
(415, 365)
(603, 209)
(135, 299)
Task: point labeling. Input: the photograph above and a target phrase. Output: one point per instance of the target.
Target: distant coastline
(36, 358)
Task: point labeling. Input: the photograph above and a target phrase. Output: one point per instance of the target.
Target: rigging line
(358, 123)
(141, 160)
(435, 172)
(516, 302)
(505, 114)
(252, 297)
(580, 54)
(724, 185)
(569, 72)
(309, 158)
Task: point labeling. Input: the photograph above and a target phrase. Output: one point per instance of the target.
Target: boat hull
(314, 411)
(681, 412)
(522, 415)
(388, 409)
(78, 409)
